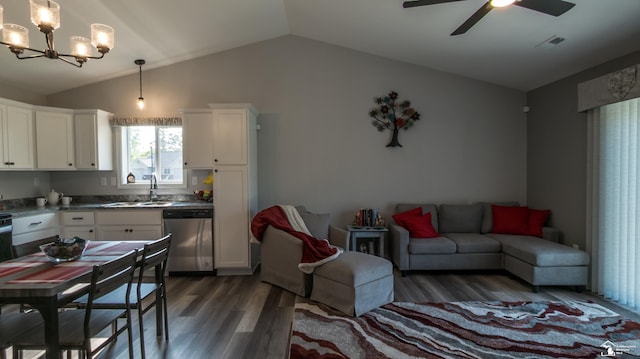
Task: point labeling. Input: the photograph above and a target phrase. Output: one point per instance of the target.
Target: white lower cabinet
(78, 224)
(123, 225)
(32, 228)
(231, 254)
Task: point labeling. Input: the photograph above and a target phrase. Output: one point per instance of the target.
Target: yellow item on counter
(209, 180)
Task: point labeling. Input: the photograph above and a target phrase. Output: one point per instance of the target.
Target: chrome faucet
(153, 188)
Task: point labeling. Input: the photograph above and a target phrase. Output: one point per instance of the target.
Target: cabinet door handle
(93, 165)
(215, 160)
(35, 223)
(91, 231)
(70, 164)
(216, 170)
(77, 218)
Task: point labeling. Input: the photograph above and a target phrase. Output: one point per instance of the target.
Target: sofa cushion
(466, 218)
(487, 214)
(437, 245)
(431, 208)
(510, 220)
(402, 217)
(317, 224)
(540, 252)
(420, 226)
(474, 243)
(537, 219)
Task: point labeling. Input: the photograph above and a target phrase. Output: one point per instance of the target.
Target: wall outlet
(103, 181)
(576, 246)
(194, 180)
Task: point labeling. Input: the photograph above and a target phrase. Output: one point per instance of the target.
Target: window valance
(145, 121)
(614, 87)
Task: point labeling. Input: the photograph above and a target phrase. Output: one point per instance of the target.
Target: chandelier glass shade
(45, 14)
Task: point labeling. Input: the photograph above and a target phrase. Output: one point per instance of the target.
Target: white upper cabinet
(230, 144)
(16, 137)
(93, 140)
(197, 138)
(54, 140)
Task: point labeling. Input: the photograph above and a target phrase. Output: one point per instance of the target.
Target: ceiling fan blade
(408, 4)
(550, 7)
(473, 19)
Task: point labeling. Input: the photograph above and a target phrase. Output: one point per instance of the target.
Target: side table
(373, 234)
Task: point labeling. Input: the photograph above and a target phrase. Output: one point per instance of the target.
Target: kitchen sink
(138, 204)
(156, 204)
(122, 204)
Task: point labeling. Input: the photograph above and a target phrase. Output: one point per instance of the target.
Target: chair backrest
(111, 275)
(20, 250)
(155, 255)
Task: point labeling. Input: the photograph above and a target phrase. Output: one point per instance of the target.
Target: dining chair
(19, 250)
(13, 326)
(144, 294)
(78, 327)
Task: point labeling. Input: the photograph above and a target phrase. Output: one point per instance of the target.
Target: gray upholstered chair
(280, 252)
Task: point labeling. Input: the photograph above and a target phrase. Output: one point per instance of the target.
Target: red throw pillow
(510, 220)
(420, 226)
(402, 216)
(537, 219)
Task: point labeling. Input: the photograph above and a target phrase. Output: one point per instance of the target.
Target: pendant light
(140, 99)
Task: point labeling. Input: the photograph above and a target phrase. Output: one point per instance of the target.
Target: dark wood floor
(242, 317)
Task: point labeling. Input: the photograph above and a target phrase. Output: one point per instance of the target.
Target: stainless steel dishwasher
(191, 249)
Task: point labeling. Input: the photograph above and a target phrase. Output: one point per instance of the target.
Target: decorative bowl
(65, 250)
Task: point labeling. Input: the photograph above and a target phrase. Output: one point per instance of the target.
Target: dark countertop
(34, 210)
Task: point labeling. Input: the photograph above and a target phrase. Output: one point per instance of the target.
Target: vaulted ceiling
(507, 47)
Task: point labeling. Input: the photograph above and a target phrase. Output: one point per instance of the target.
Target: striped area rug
(479, 330)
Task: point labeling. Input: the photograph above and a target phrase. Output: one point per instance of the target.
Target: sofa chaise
(464, 239)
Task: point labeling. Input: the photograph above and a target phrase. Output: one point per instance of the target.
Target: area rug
(479, 330)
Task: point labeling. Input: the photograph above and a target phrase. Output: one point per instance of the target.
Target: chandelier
(45, 14)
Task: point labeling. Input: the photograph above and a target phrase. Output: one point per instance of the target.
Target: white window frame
(139, 184)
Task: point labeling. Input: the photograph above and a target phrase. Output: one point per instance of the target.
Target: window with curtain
(614, 201)
(149, 148)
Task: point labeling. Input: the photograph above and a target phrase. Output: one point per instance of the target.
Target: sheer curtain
(614, 201)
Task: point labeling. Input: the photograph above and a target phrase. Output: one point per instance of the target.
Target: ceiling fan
(550, 7)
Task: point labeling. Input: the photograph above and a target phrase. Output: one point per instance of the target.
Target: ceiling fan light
(15, 35)
(45, 14)
(501, 3)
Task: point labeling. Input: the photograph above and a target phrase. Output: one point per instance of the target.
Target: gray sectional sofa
(466, 242)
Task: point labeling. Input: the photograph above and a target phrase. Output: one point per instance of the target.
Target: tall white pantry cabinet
(235, 183)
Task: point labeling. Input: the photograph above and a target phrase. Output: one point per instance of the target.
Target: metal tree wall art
(391, 114)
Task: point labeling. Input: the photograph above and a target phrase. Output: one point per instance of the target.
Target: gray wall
(22, 95)
(316, 144)
(557, 150)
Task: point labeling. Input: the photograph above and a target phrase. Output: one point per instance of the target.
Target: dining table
(40, 282)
